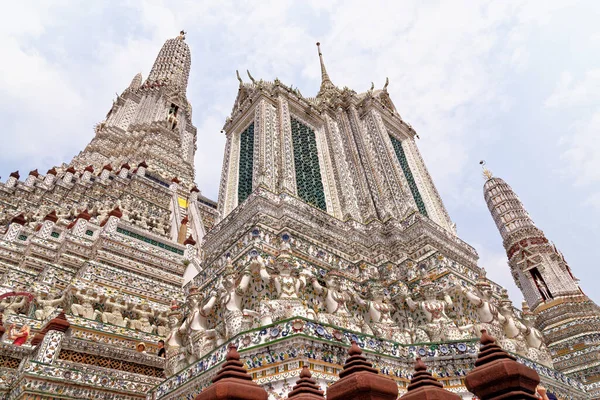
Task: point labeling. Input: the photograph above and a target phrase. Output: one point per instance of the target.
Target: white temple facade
(328, 228)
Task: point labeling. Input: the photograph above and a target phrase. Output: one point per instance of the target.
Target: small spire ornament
(487, 174)
(326, 83)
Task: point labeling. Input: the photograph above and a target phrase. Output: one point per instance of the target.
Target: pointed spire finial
(181, 35)
(250, 76)
(487, 174)
(325, 81)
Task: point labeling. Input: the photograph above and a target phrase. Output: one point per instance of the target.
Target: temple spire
(561, 311)
(325, 81)
(509, 214)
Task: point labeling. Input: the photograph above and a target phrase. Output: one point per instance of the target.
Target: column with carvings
(15, 227)
(286, 170)
(49, 339)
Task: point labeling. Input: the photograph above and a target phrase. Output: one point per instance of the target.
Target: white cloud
(594, 200)
(33, 90)
(581, 144)
(571, 94)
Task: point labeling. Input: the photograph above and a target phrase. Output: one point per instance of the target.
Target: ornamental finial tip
(325, 81)
(487, 174)
(182, 34)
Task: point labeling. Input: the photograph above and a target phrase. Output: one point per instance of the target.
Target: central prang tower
(150, 121)
(94, 253)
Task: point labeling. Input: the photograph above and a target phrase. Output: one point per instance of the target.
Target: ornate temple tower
(350, 155)
(150, 122)
(568, 319)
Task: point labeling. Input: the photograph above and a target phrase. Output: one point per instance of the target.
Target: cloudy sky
(516, 83)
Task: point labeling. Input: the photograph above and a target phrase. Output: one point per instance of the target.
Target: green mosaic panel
(22, 237)
(246, 163)
(89, 232)
(306, 163)
(408, 174)
(55, 234)
(149, 241)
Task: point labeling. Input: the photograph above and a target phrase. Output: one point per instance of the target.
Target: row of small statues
(194, 333)
(134, 213)
(148, 319)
